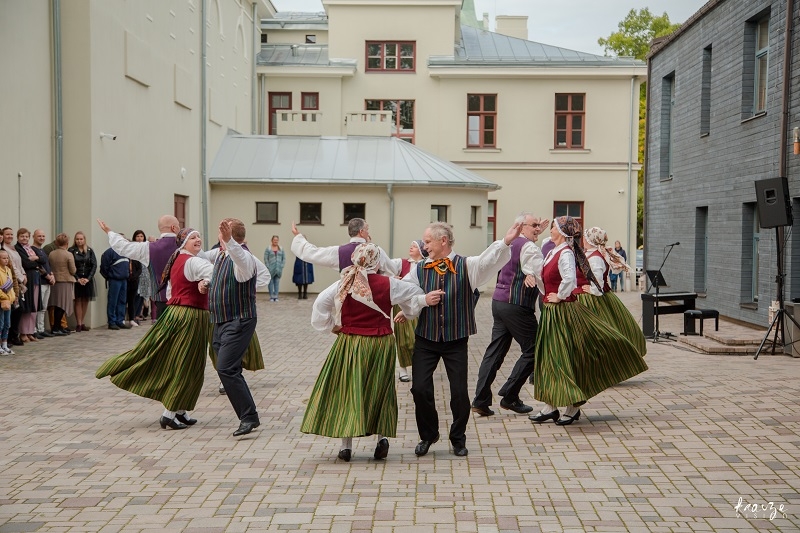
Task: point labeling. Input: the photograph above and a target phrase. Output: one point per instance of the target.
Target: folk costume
(354, 394)
(404, 331)
(338, 257)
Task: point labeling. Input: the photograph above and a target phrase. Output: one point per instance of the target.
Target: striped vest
(511, 286)
(227, 298)
(454, 317)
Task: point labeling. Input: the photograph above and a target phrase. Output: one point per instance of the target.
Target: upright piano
(667, 305)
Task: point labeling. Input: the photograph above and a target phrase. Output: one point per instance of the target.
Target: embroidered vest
(184, 292)
(160, 252)
(454, 317)
(358, 319)
(345, 254)
(552, 277)
(510, 285)
(229, 299)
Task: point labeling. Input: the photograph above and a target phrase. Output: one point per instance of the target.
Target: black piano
(668, 303)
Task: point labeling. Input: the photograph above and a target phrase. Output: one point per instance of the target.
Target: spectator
(115, 269)
(275, 259)
(46, 279)
(303, 277)
(7, 299)
(62, 294)
(86, 265)
(621, 277)
(29, 301)
(19, 272)
(134, 300)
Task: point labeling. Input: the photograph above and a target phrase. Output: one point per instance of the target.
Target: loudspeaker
(774, 203)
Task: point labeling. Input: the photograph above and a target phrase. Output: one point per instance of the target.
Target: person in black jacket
(86, 265)
(115, 269)
(30, 301)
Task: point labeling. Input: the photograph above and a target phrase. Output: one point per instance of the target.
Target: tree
(633, 39)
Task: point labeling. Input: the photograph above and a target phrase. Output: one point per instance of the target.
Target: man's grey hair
(442, 229)
(521, 217)
(355, 225)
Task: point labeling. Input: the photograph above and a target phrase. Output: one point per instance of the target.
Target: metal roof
(335, 161)
(301, 55)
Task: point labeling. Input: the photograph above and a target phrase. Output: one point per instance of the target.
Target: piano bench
(693, 314)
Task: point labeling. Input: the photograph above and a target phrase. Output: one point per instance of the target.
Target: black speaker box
(774, 203)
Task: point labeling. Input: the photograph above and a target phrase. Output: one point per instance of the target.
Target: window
(570, 112)
(667, 109)
(391, 57)
(491, 223)
(701, 249)
(311, 39)
(352, 211)
(751, 235)
(481, 120)
(266, 212)
(277, 101)
(475, 216)
(705, 94)
(310, 213)
(179, 208)
(571, 209)
(755, 66)
(309, 101)
(402, 116)
(438, 213)
(263, 38)
(762, 64)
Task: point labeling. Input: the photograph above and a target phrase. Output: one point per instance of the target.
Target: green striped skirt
(354, 394)
(578, 355)
(168, 363)
(253, 358)
(404, 334)
(611, 309)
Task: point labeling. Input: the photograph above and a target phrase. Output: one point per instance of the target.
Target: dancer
(404, 328)
(167, 364)
(577, 354)
(354, 394)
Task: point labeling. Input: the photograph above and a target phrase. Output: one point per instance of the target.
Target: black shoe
(171, 423)
(16, 341)
(221, 388)
(123, 325)
(38, 336)
(66, 331)
(567, 420)
(544, 417)
(186, 419)
(113, 326)
(58, 333)
(424, 445)
(245, 428)
(517, 406)
(45, 334)
(460, 451)
(345, 455)
(483, 411)
(382, 449)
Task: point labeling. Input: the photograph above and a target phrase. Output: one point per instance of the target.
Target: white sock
(547, 409)
(403, 371)
(380, 437)
(181, 412)
(347, 443)
(570, 411)
(168, 414)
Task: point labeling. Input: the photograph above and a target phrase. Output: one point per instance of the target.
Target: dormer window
(391, 57)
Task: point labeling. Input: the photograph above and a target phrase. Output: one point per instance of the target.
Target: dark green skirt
(168, 363)
(404, 334)
(611, 309)
(253, 358)
(578, 355)
(354, 394)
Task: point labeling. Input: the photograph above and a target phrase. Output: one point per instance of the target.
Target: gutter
(630, 170)
(646, 163)
(256, 46)
(391, 219)
(203, 115)
(58, 117)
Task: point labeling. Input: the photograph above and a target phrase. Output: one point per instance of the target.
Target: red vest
(358, 319)
(582, 278)
(184, 292)
(551, 277)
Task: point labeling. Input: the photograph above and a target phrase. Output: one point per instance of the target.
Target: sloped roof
(300, 55)
(335, 161)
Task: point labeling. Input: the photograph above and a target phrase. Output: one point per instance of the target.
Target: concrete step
(711, 346)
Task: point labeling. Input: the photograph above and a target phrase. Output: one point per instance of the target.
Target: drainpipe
(784, 137)
(644, 193)
(256, 45)
(630, 176)
(391, 219)
(203, 115)
(58, 118)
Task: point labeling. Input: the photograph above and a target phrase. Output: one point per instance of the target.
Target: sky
(572, 24)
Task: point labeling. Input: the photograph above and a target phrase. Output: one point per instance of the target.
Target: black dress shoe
(171, 423)
(483, 411)
(382, 449)
(544, 417)
(567, 420)
(424, 445)
(113, 326)
(186, 419)
(517, 406)
(45, 334)
(59, 333)
(38, 336)
(16, 341)
(345, 455)
(460, 451)
(245, 428)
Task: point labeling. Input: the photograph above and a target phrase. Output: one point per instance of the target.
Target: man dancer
(232, 304)
(45, 281)
(513, 311)
(445, 324)
(153, 255)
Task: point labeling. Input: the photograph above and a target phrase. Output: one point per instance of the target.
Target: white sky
(573, 24)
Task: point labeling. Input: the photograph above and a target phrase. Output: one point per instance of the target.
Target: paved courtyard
(697, 443)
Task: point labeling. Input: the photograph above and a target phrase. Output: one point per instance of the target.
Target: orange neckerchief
(441, 266)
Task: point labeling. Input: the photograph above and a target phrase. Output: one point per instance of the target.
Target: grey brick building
(714, 127)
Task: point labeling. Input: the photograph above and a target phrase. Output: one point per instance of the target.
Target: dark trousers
(511, 322)
(16, 316)
(117, 301)
(231, 340)
(425, 360)
(160, 308)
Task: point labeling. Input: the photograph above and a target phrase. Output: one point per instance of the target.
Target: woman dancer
(404, 329)
(577, 354)
(354, 395)
(167, 365)
(605, 303)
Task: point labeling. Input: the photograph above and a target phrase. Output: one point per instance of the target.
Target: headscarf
(571, 230)
(180, 239)
(421, 246)
(354, 281)
(598, 238)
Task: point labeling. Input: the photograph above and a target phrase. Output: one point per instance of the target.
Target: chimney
(512, 25)
(294, 49)
(486, 21)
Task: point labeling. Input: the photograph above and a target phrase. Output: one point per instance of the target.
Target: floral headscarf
(354, 281)
(598, 238)
(180, 239)
(571, 230)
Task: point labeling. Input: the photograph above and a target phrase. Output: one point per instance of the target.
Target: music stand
(657, 280)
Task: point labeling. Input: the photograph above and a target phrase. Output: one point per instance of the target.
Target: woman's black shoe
(182, 417)
(382, 449)
(345, 455)
(567, 420)
(544, 417)
(171, 423)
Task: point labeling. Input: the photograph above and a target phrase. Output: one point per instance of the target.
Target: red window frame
(568, 204)
(385, 56)
(273, 110)
(569, 115)
(486, 120)
(303, 101)
(491, 221)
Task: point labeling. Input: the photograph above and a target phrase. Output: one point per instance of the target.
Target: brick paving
(673, 449)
